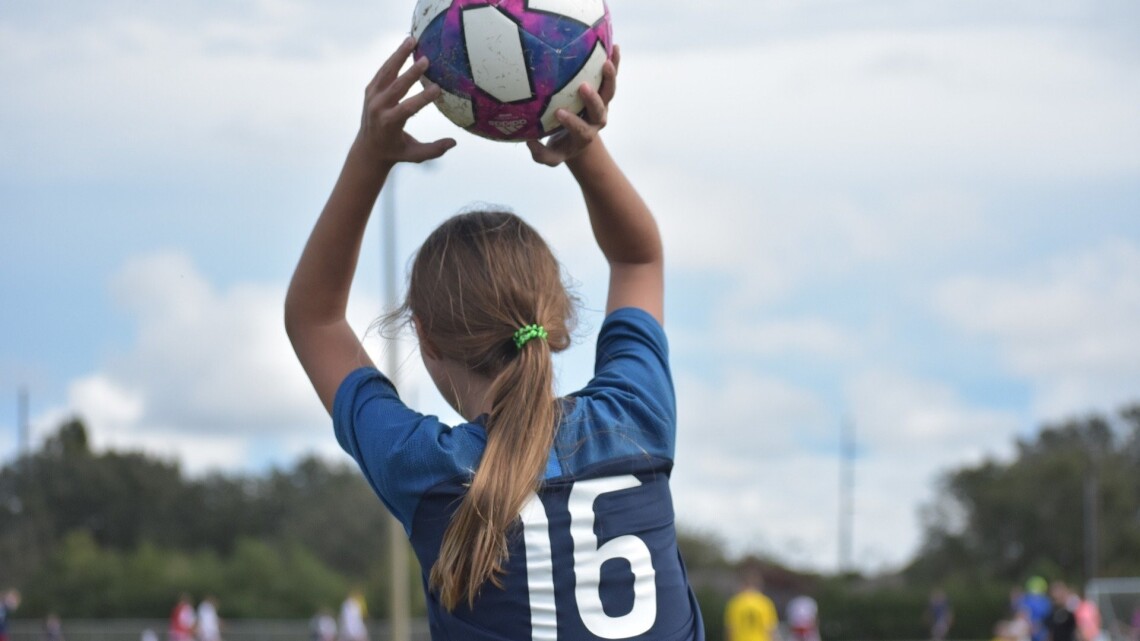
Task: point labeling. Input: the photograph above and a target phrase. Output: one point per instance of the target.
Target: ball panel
(426, 12)
(443, 47)
(556, 31)
(457, 108)
(574, 55)
(567, 97)
(519, 120)
(544, 62)
(450, 68)
(588, 12)
(498, 64)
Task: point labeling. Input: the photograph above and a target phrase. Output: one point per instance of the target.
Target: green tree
(1008, 520)
(332, 511)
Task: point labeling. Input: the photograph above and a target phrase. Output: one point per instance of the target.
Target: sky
(921, 218)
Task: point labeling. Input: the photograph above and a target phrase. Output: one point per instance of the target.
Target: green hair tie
(528, 333)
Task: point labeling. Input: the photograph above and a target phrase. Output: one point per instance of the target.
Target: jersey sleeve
(401, 452)
(632, 387)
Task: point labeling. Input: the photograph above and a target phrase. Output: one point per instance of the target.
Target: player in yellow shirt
(751, 615)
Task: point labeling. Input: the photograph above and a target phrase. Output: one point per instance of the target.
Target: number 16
(588, 559)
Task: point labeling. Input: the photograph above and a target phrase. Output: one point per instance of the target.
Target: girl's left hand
(578, 133)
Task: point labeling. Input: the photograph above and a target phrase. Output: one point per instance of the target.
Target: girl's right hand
(386, 111)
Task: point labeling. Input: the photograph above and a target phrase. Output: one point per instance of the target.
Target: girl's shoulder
(401, 452)
(631, 323)
(628, 408)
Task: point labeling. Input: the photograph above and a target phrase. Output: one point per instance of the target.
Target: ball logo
(507, 123)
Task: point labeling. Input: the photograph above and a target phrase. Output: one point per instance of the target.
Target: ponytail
(520, 432)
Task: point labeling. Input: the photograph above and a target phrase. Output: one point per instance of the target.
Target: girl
(540, 517)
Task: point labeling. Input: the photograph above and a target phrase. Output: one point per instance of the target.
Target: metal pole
(1092, 533)
(399, 617)
(24, 437)
(846, 494)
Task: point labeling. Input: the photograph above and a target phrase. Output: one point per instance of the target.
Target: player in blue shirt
(9, 602)
(539, 517)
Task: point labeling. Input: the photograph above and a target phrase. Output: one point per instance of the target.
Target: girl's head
(477, 280)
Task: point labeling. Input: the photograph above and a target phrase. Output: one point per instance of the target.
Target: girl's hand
(577, 134)
(386, 111)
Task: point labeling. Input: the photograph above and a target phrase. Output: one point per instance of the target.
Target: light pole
(24, 437)
(399, 617)
(846, 493)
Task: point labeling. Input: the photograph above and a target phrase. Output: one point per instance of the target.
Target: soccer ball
(505, 66)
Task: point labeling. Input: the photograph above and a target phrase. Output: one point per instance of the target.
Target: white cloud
(743, 336)
(753, 416)
(923, 424)
(105, 403)
(909, 430)
(210, 377)
(986, 101)
(758, 461)
(785, 506)
(766, 242)
(148, 87)
(979, 101)
(1068, 326)
(745, 466)
(210, 361)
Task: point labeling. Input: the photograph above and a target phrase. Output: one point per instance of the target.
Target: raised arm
(623, 225)
(625, 231)
(317, 300)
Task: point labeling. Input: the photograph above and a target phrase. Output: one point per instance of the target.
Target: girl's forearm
(318, 292)
(623, 225)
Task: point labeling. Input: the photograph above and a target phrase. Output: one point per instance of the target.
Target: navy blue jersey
(595, 553)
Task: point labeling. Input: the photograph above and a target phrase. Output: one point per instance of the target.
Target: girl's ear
(426, 346)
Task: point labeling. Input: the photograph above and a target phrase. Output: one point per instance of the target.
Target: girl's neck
(465, 391)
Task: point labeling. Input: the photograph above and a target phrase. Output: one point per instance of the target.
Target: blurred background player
(1036, 606)
(182, 620)
(209, 624)
(322, 627)
(939, 615)
(1062, 622)
(53, 628)
(1016, 628)
(352, 613)
(750, 615)
(803, 618)
(8, 605)
(1088, 619)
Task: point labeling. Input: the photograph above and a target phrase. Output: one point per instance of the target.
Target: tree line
(1067, 505)
(121, 534)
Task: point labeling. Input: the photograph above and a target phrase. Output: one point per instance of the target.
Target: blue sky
(921, 216)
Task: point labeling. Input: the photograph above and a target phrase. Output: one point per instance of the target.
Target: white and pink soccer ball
(505, 66)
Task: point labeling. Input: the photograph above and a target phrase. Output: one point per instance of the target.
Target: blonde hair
(477, 279)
